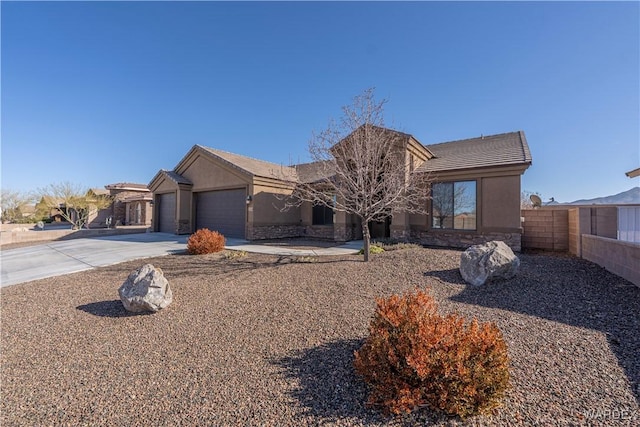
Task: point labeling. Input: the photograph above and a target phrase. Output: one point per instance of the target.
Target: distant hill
(626, 197)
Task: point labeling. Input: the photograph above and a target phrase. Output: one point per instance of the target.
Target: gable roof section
(253, 166)
(403, 138)
(171, 176)
(487, 151)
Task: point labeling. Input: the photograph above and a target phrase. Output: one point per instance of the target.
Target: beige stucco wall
(206, 174)
(166, 186)
(267, 205)
(499, 203)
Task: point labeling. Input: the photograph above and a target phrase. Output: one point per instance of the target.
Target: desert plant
(414, 357)
(373, 249)
(205, 241)
(305, 259)
(231, 254)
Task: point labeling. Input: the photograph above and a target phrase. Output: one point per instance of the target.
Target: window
(322, 215)
(454, 205)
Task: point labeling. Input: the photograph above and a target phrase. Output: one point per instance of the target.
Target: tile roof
(313, 172)
(486, 151)
(254, 166)
(175, 177)
(126, 185)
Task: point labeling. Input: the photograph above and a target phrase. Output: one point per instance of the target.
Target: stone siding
(183, 226)
(458, 239)
(263, 232)
(322, 232)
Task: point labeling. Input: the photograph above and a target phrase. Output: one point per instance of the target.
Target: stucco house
(131, 205)
(475, 195)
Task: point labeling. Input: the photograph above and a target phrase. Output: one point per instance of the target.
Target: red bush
(415, 357)
(205, 241)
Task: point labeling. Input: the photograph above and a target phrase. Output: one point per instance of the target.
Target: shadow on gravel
(448, 276)
(328, 385)
(112, 308)
(571, 291)
(196, 265)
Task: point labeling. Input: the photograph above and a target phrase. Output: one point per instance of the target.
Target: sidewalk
(70, 256)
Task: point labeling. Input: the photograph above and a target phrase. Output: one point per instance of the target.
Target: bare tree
(12, 204)
(74, 203)
(362, 168)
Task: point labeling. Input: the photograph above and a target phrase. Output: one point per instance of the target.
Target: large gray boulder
(146, 289)
(480, 264)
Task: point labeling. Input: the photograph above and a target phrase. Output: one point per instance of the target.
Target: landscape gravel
(266, 340)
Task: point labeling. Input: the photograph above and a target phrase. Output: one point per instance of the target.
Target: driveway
(70, 256)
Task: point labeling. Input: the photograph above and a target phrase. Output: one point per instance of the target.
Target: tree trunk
(367, 240)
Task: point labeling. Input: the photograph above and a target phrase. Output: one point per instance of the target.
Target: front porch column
(400, 227)
(341, 228)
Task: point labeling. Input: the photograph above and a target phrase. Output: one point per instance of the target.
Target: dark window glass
(454, 205)
(322, 215)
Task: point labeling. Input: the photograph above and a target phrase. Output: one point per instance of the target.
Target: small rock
(482, 263)
(146, 289)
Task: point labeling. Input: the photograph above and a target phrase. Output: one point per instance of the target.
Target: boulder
(480, 264)
(146, 289)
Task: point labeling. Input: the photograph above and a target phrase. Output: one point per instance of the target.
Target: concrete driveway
(70, 256)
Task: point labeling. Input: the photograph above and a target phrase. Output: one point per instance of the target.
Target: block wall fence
(589, 232)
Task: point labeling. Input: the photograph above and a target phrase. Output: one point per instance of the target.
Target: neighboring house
(475, 195)
(634, 173)
(131, 205)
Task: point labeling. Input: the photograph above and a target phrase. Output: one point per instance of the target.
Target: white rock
(480, 264)
(146, 289)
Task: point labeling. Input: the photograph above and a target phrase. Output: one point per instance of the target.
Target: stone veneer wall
(458, 239)
(324, 232)
(183, 226)
(262, 232)
(343, 233)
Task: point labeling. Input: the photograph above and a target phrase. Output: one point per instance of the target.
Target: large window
(454, 205)
(322, 215)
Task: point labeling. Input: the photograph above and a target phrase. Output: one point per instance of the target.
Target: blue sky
(103, 92)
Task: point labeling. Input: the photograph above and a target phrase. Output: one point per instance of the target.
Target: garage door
(222, 211)
(167, 212)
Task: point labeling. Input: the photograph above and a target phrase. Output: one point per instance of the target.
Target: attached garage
(222, 211)
(166, 212)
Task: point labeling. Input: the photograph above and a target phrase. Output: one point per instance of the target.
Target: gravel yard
(263, 340)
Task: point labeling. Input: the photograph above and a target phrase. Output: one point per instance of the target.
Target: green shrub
(373, 249)
(205, 241)
(415, 357)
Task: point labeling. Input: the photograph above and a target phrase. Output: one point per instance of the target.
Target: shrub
(414, 357)
(231, 254)
(373, 249)
(205, 241)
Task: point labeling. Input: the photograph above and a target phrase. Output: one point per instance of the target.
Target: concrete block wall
(545, 229)
(620, 258)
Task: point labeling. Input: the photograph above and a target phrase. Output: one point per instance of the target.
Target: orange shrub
(415, 357)
(205, 241)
